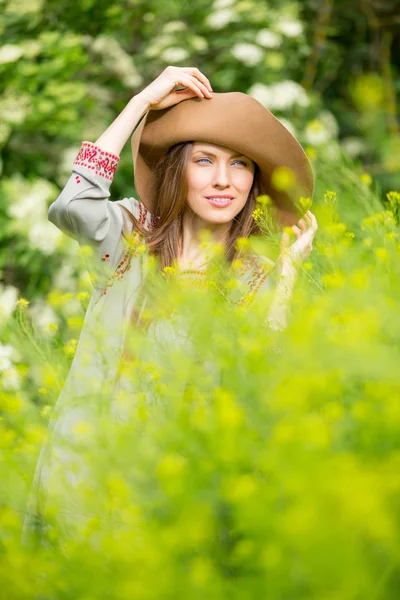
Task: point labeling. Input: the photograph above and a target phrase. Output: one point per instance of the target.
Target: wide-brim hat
(239, 122)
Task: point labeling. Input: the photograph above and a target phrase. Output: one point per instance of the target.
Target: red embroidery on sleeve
(77, 178)
(101, 162)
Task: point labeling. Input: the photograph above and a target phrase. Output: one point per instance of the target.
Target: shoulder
(138, 210)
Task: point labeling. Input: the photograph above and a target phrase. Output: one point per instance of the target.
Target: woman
(200, 161)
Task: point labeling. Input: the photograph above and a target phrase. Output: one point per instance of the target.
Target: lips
(224, 201)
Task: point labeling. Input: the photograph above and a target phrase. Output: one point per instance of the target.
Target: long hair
(165, 239)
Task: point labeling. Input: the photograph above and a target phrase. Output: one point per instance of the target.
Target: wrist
(141, 102)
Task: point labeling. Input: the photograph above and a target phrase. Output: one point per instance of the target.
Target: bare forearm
(279, 310)
(116, 135)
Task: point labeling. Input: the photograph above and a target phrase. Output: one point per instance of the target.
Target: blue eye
(241, 161)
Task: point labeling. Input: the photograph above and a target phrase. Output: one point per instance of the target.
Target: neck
(192, 254)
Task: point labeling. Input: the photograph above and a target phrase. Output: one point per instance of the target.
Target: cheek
(197, 180)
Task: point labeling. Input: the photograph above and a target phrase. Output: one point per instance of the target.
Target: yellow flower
(239, 488)
(44, 413)
(264, 200)
(70, 347)
(228, 413)
(311, 152)
(305, 203)
(366, 178)
(381, 254)
(330, 197)
(171, 465)
(367, 242)
(57, 298)
(86, 251)
(333, 280)
(257, 214)
(241, 243)
(52, 327)
(82, 296)
(282, 178)
(75, 322)
(22, 303)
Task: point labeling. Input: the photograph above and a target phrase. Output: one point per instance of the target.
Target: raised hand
(302, 247)
(161, 93)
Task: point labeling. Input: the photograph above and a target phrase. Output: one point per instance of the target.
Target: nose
(221, 175)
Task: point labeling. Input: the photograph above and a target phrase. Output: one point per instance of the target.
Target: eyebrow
(214, 155)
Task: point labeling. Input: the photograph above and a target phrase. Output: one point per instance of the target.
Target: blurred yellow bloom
(171, 465)
(201, 570)
(227, 411)
(359, 278)
(242, 242)
(231, 284)
(282, 178)
(366, 178)
(305, 203)
(83, 429)
(393, 197)
(382, 254)
(236, 264)
(46, 410)
(70, 347)
(52, 327)
(75, 322)
(85, 251)
(264, 200)
(49, 375)
(367, 91)
(330, 197)
(43, 391)
(333, 280)
(311, 152)
(22, 303)
(82, 296)
(57, 298)
(239, 488)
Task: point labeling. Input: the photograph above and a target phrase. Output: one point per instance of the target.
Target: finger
(302, 224)
(188, 82)
(285, 240)
(296, 231)
(197, 73)
(201, 85)
(313, 220)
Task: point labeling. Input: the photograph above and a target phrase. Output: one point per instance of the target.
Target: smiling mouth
(220, 201)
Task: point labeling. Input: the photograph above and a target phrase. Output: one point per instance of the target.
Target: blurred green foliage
(281, 479)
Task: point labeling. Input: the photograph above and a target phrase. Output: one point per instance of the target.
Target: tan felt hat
(237, 121)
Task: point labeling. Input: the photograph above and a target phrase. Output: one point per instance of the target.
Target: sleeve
(84, 212)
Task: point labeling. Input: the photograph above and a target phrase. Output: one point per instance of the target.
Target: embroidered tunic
(84, 212)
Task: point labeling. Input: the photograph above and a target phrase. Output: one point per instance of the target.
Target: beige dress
(84, 212)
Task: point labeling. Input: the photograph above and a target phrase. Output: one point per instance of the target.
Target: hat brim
(233, 120)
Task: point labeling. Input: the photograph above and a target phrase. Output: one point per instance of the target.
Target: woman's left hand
(302, 247)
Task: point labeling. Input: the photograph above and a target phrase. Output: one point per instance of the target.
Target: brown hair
(165, 238)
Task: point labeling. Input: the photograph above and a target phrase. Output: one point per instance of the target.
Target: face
(218, 171)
